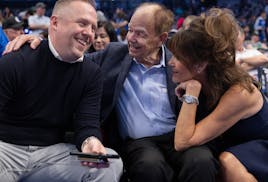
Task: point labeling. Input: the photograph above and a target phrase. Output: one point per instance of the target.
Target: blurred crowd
(250, 14)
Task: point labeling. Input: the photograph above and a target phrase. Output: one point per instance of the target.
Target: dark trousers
(155, 159)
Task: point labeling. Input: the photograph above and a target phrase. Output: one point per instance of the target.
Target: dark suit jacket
(115, 63)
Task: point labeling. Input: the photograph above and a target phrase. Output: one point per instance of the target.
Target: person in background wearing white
(39, 22)
(249, 59)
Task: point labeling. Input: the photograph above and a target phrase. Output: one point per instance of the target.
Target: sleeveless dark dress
(248, 141)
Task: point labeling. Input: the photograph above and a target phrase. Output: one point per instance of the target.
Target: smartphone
(97, 158)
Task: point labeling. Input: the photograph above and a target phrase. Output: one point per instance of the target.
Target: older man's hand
(15, 44)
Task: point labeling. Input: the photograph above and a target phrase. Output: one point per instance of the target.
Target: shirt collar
(56, 54)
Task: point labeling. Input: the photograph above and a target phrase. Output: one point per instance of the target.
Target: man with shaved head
(139, 106)
(46, 91)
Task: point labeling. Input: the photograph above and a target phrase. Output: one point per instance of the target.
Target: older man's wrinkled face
(142, 38)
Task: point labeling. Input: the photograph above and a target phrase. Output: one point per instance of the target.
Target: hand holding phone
(97, 158)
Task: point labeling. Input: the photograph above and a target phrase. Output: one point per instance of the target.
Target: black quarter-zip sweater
(41, 96)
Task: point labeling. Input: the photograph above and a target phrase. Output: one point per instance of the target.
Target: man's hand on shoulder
(15, 44)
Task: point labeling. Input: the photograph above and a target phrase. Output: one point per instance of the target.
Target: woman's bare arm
(234, 105)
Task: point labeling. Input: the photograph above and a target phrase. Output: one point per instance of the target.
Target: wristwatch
(189, 99)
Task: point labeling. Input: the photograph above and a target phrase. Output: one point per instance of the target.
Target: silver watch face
(188, 100)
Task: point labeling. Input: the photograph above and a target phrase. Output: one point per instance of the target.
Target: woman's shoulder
(241, 92)
(243, 99)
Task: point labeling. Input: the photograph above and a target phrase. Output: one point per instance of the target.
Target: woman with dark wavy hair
(222, 106)
(104, 34)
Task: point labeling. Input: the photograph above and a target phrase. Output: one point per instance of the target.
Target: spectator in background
(252, 60)
(7, 12)
(101, 16)
(3, 41)
(12, 27)
(188, 20)
(1, 18)
(255, 43)
(247, 32)
(122, 37)
(104, 34)
(120, 19)
(248, 58)
(24, 15)
(260, 26)
(39, 22)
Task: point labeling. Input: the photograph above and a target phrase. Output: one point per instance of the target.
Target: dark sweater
(41, 96)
